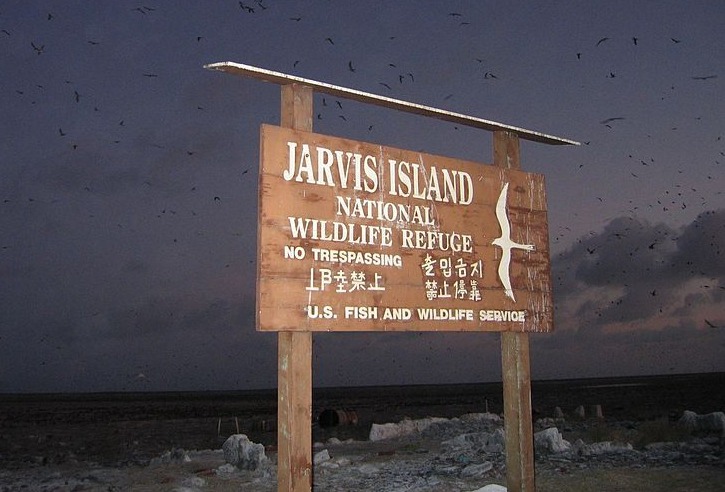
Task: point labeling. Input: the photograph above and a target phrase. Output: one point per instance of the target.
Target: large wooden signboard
(356, 236)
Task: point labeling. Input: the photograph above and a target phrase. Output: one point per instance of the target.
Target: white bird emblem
(505, 243)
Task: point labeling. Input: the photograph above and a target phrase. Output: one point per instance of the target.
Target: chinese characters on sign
(355, 236)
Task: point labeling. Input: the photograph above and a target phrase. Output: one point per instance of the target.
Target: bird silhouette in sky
(609, 120)
(506, 243)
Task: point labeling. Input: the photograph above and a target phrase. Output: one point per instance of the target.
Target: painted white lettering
(388, 211)
(499, 316)
(331, 167)
(356, 257)
(324, 312)
(361, 312)
(444, 314)
(294, 252)
(340, 232)
(443, 241)
(429, 183)
(398, 314)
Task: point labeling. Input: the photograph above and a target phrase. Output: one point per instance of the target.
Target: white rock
(496, 443)
(194, 482)
(380, 432)
(711, 422)
(551, 440)
(226, 469)
(477, 470)
(343, 461)
(489, 442)
(243, 453)
(491, 488)
(321, 457)
(469, 440)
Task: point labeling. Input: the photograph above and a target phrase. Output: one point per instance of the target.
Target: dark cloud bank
(633, 298)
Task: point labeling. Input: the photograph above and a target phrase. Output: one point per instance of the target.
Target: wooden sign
(355, 236)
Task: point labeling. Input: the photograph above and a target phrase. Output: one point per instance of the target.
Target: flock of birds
(400, 75)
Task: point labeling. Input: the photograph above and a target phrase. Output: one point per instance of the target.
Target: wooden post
(516, 366)
(294, 377)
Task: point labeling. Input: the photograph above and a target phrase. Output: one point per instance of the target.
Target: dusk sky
(128, 190)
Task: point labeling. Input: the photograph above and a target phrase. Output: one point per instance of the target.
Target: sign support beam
(294, 376)
(383, 101)
(515, 363)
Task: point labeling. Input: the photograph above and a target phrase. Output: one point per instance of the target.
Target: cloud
(634, 271)
(701, 247)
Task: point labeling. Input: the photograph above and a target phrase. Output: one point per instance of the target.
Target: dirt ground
(107, 442)
(202, 473)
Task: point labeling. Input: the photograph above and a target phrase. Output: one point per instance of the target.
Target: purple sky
(128, 198)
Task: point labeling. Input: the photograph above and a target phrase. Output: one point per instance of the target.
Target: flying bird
(505, 243)
(144, 9)
(609, 120)
(705, 77)
(350, 67)
(38, 49)
(602, 40)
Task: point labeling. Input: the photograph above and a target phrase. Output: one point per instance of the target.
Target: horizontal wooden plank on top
(384, 101)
